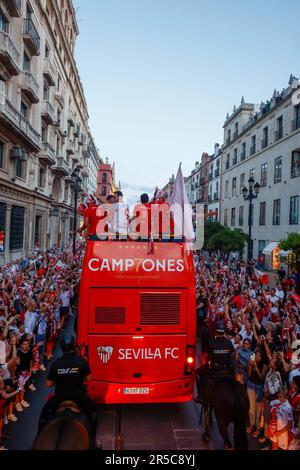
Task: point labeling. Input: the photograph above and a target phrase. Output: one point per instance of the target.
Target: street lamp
(76, 182)
(249, 195)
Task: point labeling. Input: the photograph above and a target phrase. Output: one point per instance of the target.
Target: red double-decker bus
(137, 321)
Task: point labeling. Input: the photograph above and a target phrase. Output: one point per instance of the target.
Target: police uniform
(68, 373)
(221, 350)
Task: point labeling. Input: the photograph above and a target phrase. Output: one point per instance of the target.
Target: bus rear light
(138, 337)
(189, 360)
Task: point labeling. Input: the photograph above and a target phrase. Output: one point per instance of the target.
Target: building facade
(214, 185)
(106, 180)
(44, 132)
(263, 141)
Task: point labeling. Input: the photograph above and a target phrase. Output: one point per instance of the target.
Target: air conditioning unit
(16, 152)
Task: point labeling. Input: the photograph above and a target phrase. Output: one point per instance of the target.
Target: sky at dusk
(160, 75)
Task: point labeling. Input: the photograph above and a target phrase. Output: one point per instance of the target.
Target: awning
(270, 247)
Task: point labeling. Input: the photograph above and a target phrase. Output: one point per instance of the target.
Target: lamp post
(76, 182)
(249, 195)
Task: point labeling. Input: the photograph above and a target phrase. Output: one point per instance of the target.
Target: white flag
(181, 210)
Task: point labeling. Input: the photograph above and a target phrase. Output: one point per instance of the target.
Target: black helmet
(67, 343)
(220, 327)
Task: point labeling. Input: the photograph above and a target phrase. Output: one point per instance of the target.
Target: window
(26, 62)
(278, 170)
(295, 164)
(261, 246)
(252, 173)
(46, 92)
(4, 24)
(103, 193)
(225, 217)
(294, 210)
(227, 161)
(253, 145)
(279, 131)
(47, 51)
(19, 168)
(24, 110)
(296, 122)
(16, 228)
(241, 216)
(262, 213)
(242, 182)
(1, 154)
(42, 177)
(264, 142)
(226, 189)
(37, 229)
(243, 154)
(263, 175)
(276, 212)
(104, 177)
(234, 186)
(57, 146)
(44, 133)
(234, 162)
(233, 217)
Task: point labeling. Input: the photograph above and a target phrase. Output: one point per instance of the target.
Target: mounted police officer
(68, 374)
(221, 351)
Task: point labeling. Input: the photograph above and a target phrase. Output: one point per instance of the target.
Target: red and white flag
(262, 277)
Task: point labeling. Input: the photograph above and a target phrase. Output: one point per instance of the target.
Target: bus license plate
(136, 391)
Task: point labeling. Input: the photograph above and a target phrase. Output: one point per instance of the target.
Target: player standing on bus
(121, 221)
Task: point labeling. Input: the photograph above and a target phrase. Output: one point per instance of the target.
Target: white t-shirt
(2, 352)
(279, 294)
(65, 298)
(29, 322)
(293, 374)
(245, 335)
(284, 414)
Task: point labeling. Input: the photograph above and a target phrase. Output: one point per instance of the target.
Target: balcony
(264, 143)
(243, 156)
(47, 154)
(296, 124)
(86, 150)
(30, 88)
(278, 134)
(252, 150)
(217, 173)
(71, 118)
(48, 113)
(210, 176)
(18, 124)
(13, 7)
(9, 56)
(31, 37)
(62, 167)
(49, 72)
(71, 147)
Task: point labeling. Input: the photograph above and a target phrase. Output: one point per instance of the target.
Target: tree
(292, 243)
(227, 241)
(210, 228)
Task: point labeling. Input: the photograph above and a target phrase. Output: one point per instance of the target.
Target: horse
(229, 400)
(68, 429)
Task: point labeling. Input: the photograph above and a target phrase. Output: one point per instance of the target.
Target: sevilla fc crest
(105, 352)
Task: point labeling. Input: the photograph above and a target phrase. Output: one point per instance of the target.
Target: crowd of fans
(263, 324)
(36, 296)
